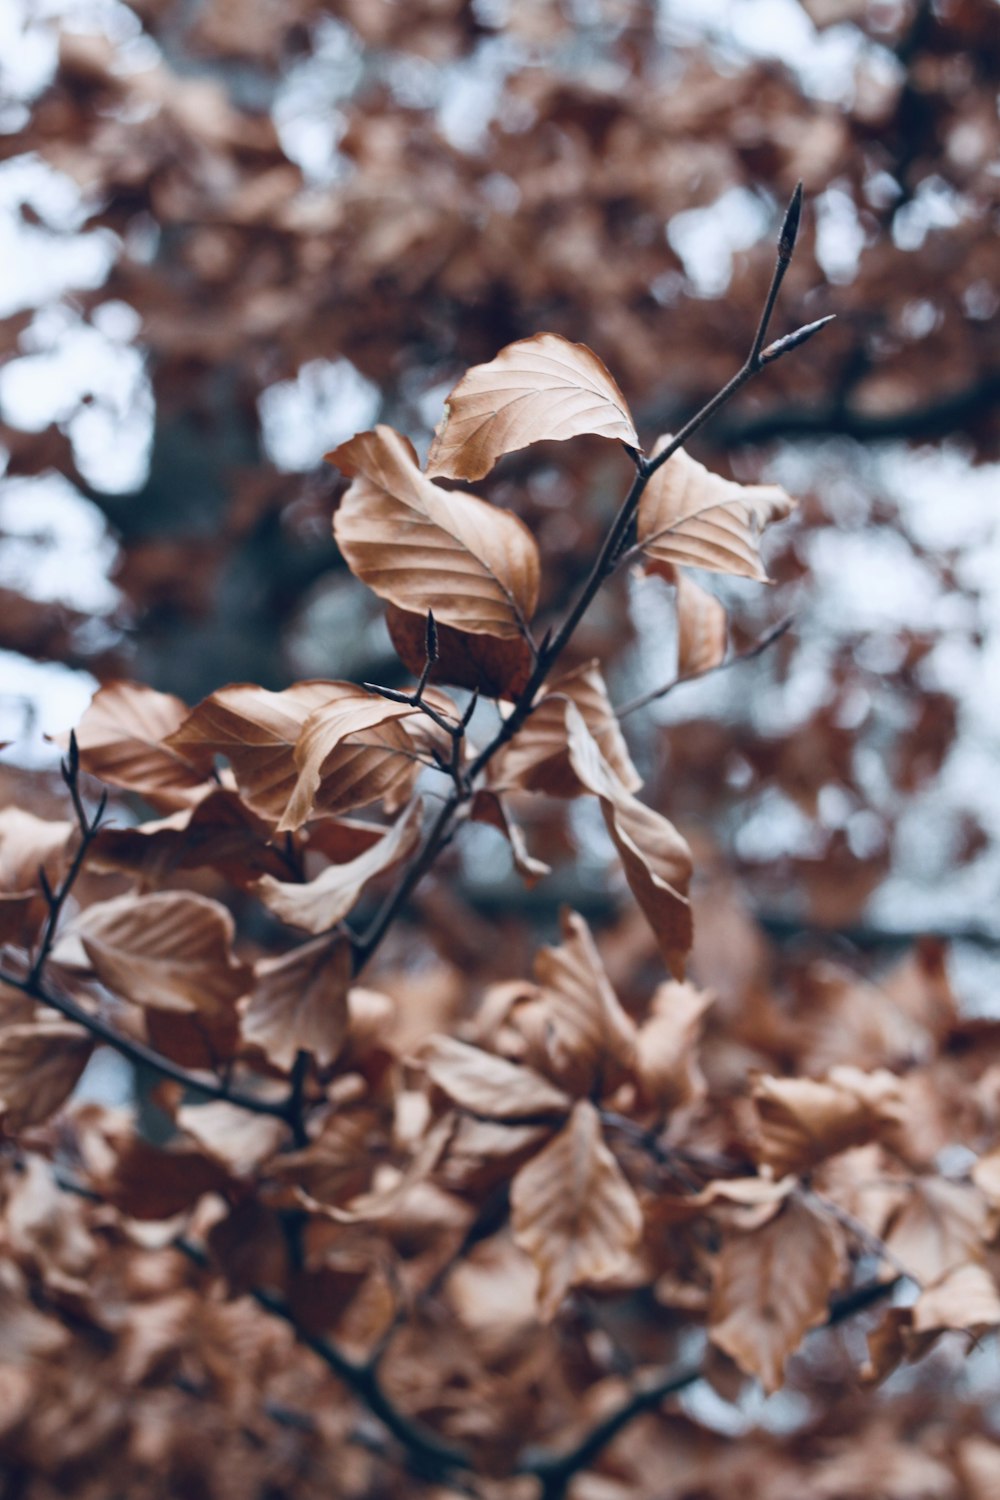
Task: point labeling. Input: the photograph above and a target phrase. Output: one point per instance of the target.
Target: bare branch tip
(790, 225)
(431, 638)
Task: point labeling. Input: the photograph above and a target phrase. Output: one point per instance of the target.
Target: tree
(519, 1197)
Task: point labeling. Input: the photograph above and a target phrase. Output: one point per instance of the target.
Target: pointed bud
(794, 340)
(431, 637)
(790, 227)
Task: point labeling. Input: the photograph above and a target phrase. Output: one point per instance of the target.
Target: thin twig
(552, 645)
(757, 649)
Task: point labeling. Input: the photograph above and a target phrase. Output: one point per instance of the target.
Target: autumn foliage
(405, 1201)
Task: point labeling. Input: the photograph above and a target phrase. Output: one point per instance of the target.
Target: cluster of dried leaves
(409, 1203)
(512, 1220)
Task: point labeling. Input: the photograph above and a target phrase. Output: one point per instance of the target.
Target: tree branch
(552, 647)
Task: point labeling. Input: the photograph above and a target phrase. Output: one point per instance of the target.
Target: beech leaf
(487, 807)
(495, 668)
(39, 1068)
(123, 739)
(690, 516)
(321, 903)
(350, 752)
(589, 1037)
(424, 548)
(573, 1211)
(258, 732)
(537, 759)
(540, 389)
(490, 1086)
(771, 1286)
(299, 1002)
(171, 950)
(655, 858)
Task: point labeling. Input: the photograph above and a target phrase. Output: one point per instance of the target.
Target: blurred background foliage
(236, 232)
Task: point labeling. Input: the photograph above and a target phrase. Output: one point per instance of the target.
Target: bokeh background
(235, 232)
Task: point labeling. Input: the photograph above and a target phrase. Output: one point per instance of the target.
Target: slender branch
(552, 645)
(556, 1470)
(757, 649)
(137, 1052)
(429, 1455)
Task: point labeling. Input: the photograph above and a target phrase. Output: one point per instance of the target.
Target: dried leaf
(656, 860)
(692, 517)
(124, 738)
(28, 843)
(490, 1086)
(495, 668)
(573, 1211)
(540, 389)
(39, 1068)
(321, 903)
(299, 1002)
(487, 807)
(804, 1120)
(941, 1225)
(258, 733)
(537, 759)
(589, 1037)
(148, 1183)
(701, 628)
(350, 752)
(425, 548)
(240, 1140)
(171, 950)
(666, 1062)
(219, 832)
(771, 1286)
(966, 1298)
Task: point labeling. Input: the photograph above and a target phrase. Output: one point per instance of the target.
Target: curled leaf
(692, 517)
(573, 1210)
(321, 903)
(537, 759)
(655, 858)
(536, 390)
(424, 548)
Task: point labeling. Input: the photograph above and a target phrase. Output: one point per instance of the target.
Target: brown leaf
(299, 1002)
(589, 1038)
(219, 832)
(540, 389)
(496, 668)
(701, 628)
(39, 1068)
(691, 516)
(232, 1135)
(28, 843)
(771, 1286)
(425, 548)
(148, 1183)
(124, 738)
(350, 752)
(666, 1061)
(321, 903)
(656, 860)
(941, 1225)
(804, 1120)
(537, 759)
(966, 1298)
(490, 1086)
(258, 732)
(170, 950)
(573, 1211)
(487, 807)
